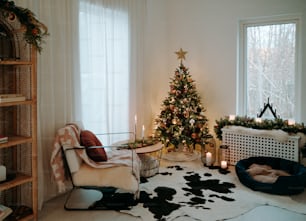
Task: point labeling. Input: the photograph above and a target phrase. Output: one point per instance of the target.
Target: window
(104, 67)
(268, 67)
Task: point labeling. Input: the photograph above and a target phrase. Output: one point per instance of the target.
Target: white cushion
(120, 177)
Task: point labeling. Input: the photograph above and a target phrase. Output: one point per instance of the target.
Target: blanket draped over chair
(69, 137)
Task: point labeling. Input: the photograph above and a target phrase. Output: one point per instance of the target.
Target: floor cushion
(284, 185)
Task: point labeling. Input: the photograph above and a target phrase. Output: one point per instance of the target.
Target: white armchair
(117, 169)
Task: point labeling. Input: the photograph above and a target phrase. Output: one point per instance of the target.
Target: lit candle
(143, 132)
(232, 117)
(258, 120)
(135, 125)
(291, 122)
(208, 159)
(223, 164)
(2, 173)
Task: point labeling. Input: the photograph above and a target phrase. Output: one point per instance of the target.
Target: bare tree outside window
(270, 68)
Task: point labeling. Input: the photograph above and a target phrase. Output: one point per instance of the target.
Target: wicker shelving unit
(18, 121)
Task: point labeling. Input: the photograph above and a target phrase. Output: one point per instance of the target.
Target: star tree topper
(181, 54)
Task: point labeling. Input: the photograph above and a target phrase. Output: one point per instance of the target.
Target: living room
(211, 33)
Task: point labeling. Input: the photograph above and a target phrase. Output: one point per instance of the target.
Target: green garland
(266, 124)
(35, 31)
(143, 143)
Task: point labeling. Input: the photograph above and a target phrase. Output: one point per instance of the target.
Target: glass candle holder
(208, 152)
(224, 156)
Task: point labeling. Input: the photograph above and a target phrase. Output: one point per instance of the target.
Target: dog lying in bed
(265, 173)
(272, 175)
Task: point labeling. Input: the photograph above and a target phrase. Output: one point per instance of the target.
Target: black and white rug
(189, 191)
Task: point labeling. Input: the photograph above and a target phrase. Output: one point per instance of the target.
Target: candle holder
(208, 152)
(223, 156)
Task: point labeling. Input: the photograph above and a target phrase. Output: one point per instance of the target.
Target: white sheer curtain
(105, 66)
(60, 84)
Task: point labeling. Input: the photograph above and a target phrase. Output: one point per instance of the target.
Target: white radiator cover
(243, 145)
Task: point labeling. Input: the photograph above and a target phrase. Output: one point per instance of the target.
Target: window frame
(241, 93)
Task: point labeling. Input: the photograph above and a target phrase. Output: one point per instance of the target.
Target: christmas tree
(182, 119)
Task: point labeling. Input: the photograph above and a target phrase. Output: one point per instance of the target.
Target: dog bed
(290, 176)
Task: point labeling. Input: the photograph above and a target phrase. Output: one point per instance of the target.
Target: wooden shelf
(8, 104)
(20, 179)
(29, 217)
(15, 62)
(15, 140)
(17, 216)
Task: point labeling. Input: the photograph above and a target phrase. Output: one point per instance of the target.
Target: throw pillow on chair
(90, 141)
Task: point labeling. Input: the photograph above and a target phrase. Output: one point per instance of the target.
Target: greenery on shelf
(143, 143)
(34, 31)
(266, 124)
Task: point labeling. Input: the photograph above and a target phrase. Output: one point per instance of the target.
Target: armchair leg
(106, 198)
(113, 200)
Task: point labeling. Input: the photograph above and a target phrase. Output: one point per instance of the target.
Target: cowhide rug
(189, 191)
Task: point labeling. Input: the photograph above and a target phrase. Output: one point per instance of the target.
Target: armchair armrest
(114, 133)
(124, 148)
(73, 160)
(115, 138)
(117, 146)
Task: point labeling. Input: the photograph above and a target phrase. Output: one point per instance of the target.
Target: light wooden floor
(54, 210)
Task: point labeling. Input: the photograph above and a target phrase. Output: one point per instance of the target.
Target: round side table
(150, 159)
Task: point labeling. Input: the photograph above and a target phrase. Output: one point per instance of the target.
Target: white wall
(208, 30)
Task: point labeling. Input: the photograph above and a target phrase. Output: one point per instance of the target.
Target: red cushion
(89, 139)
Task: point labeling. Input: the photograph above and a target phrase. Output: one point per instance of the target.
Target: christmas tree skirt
(180, 156)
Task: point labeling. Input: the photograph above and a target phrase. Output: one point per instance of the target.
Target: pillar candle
(223, 164)
(208, 159)
(291, 122)
(232, 117)
(258, 120)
